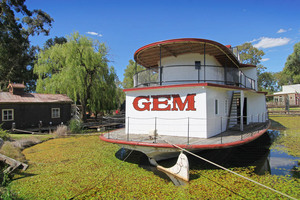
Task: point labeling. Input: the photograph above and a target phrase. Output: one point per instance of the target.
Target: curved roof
(149, 55)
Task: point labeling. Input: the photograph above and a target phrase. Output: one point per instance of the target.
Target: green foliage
(4, 134)
(78, 68)
(291, 71)
(85, 167)
(266, 81)
(129, 73)
(5, 177)
(250, 54)
(17, 23)
(51, 42)
(75, 126)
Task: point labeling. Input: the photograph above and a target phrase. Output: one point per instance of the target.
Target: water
(257, 154)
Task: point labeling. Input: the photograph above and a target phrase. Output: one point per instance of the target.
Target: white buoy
(180, 169)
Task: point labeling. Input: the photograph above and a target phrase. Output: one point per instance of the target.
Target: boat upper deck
(225, 139)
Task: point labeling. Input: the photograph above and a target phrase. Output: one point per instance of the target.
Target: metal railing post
(127, 128)
(221, 131)
(188, 131)
(155, 131)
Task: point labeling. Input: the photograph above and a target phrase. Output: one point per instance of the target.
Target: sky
(125, 26)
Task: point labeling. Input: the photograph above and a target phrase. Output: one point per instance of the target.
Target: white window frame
(55, 112)
(3, 115)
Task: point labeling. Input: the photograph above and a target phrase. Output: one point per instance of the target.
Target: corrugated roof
(7, 97)
(149, 55)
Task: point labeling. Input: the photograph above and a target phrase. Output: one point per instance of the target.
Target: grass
(23, 136)
(84, 167)
(290, 131)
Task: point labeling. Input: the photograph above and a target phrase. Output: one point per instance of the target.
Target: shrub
(61, 130)
(75, 126)
(26, 142)
(4, 133)
(11, 151)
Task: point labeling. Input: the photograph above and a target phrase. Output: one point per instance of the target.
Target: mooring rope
(231, 171)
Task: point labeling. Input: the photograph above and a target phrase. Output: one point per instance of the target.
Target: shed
(28, 110)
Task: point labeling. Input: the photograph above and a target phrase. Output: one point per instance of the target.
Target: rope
(90, 188)
(231, 171)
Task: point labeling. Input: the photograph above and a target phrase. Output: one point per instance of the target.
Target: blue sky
(125, 26)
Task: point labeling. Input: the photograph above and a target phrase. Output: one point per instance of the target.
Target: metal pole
(188, 141)
(160, 69)
(221, 131)
(204, 63)
(137, 76)
(155, 131)
(127, 128)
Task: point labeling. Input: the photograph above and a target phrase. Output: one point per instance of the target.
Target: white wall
(213, 119)
(251, 72)
(168, 122)
(256, 107)
(186, 68)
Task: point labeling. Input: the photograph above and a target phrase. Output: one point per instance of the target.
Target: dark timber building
(27, 110)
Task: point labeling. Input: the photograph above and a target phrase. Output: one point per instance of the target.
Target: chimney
(16, 88)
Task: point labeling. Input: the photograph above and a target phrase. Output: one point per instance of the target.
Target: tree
(79, 69)
(57, 40)
(252, 55)
(268, 82)
(16, 53)
(129, 73)
(291, 71)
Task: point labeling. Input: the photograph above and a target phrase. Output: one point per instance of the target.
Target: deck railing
(178, 74)
(187, 127)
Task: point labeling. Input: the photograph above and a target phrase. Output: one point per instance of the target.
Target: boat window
(216, 107)
(197, 64)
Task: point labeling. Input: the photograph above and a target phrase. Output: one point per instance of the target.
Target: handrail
(195, 74)
(159, 124)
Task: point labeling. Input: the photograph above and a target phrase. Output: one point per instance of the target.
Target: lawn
(84, 167)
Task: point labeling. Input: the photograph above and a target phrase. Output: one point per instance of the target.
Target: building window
(7, 114)
(55, 112)
(216, 107)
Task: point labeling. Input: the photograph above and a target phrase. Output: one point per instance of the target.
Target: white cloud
(266, 42)
(281, 30)
(265, 59)
(94, 33)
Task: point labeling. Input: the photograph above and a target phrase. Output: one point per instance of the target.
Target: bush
(61, 130)
(4, 133)
(75, 126)
(11, 151)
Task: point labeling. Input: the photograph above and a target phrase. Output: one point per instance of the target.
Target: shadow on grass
(22, 174)
(275, 125)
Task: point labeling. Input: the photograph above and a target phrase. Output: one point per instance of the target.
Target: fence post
(188, 131)
(127, 128)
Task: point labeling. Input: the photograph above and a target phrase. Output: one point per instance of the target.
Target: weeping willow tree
(78, 68)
